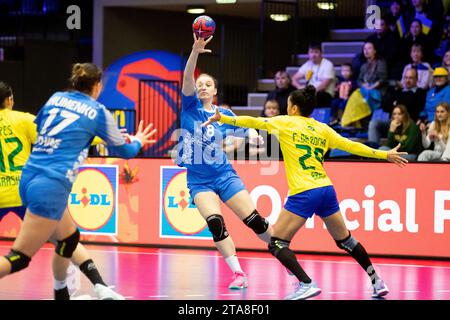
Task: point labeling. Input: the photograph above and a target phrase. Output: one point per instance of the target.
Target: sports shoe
(380, 289)
(304, 291)
(106, 293)
(239, 281)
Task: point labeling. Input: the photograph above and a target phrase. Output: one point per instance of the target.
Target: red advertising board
(391, 210)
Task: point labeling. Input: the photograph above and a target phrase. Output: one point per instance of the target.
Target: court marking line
(337, 292)
(158, 296)
(194, 295)
(252, 258)
(443, 291)
(229, 294)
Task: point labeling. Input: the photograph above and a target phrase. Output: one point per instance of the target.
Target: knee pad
(66, 247)
(216, 226)
(18, 260)
(257, 223)
(276, 245)
(348, 244)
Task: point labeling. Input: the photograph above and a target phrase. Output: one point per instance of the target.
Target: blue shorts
(43, 196)
(225, 186)
(18, 211)
(321, 201)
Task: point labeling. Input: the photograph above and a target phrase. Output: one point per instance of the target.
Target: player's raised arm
(198, 47)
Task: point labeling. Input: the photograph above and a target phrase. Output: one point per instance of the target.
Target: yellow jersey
(17, 134)
(304, 142)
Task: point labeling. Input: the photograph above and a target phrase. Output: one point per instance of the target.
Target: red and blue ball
(203, 27)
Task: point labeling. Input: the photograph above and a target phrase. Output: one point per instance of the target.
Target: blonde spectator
(438, 133)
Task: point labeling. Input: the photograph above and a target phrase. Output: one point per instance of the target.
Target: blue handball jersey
(200, 149)
(66, 126)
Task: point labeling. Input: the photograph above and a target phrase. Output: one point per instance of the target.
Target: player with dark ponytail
(304, 142)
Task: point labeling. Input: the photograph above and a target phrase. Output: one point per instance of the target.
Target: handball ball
(203, 27)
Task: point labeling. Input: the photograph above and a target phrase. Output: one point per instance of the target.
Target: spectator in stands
(444, 45)
(439, 93)
(344, 88)
(372, 83)
(271, 108)
(264, 151)
(318, 72)
(394, 14)
(412, 97)
(430, 13)
(387, 44)
(446, 61)
(438, 132)
(404, 131)
(281, 93)
(424, 70)
(372, 77)
(416, 36)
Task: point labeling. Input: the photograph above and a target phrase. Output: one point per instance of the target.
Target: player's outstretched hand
(144, 135)
(216, 117)
(395, 156)
(200, 44)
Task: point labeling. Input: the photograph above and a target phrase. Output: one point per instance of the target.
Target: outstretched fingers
(150, 134)
(208, 40)
(148, 128)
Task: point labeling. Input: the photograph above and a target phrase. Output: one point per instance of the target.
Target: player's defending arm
(198, 47)
(339, 142)
(238, 121)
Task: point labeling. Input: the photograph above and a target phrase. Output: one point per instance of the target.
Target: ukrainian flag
(426, 24)
(401, 26)
(356, 109)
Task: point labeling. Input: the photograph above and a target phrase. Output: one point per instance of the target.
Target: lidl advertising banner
(179, 216)
(93, 200)
(392, 210)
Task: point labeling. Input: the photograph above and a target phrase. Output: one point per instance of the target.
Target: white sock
(58, 285)
(233, 263)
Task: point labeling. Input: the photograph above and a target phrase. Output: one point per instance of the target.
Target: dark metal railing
(159, 103)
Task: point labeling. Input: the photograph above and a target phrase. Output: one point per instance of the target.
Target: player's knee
(216, 226)
(257, 223)
(347, 244)
(18, 260)
(66, 247)
(276, 245)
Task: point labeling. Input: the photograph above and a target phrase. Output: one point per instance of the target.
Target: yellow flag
(357, 108)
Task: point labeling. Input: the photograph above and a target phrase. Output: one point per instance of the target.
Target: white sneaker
(380, 289)
(304, 291)
(106, 293)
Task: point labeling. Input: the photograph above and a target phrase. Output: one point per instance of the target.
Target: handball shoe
(106, 293)
(304, 291)
(239, 281)
(380, 289)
